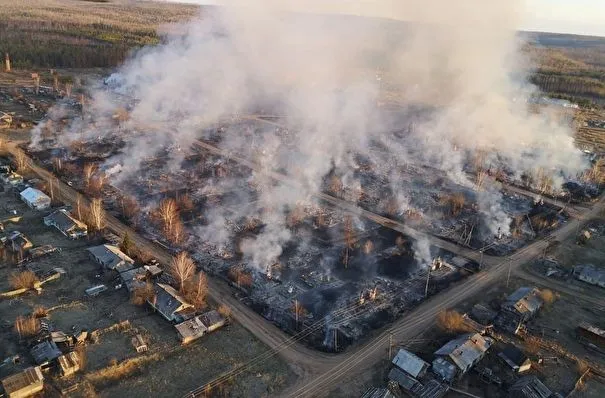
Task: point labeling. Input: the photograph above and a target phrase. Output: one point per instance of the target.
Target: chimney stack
(7, 62)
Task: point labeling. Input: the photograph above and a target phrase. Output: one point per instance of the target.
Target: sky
(585, 17)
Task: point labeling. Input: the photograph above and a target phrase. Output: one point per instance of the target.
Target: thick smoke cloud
(457, 61)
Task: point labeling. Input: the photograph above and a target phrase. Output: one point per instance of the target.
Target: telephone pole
(426, 288)
(390, 346)
(510, 264)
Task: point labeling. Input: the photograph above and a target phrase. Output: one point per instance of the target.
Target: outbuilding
(111, 257)
(35, 199)
(24, 384)
(515, 358)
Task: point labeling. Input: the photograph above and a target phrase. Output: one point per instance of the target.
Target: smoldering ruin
(288, 152)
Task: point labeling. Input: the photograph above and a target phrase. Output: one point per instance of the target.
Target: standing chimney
(7, 62)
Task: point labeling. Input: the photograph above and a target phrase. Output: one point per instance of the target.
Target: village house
(68, 363)
(515, 359)
(170, 303)
(590, 274)
(24, 384)
(110, 257)
(198, 326)
(35, 199)
(410, 363)
(68, 225)
(458, 356)
(518, 308)
(17, 242)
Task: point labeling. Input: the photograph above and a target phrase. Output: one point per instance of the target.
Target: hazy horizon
(580, 17)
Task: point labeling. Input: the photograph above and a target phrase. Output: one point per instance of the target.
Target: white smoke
(458, 61)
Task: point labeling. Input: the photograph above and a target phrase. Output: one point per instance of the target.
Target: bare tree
(196, 290)
(176, 234)
(182, 269)
(130, 207)
(96, 214)
(23, 280)
(298, 310)
(168, 213)
(87, 172)
(68, 87)
(348, 237)
(36, 80)
(7, 62)
(55, 75)
(20, 160)
(79, 206)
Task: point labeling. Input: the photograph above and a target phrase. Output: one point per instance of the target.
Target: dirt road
(318, 372)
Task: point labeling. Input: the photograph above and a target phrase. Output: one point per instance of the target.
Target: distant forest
(97, 33)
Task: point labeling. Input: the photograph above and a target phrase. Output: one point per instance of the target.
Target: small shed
(24, 384)
(139, 344)
(35, 199)
(191, 330)
(529, 387)
(69, 363)
(410, 363)
(212, 320)
(515, 358)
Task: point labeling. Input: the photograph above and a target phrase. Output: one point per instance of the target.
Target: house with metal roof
(169, 302)
(529, 387)
(515, 359)
(18, 242)
(35, 199)
(591, 334)
(24, 384)
(590, 274)
(410, 363)
(375, 392)
(111, 257)
(45, 352)
(67, 224)
(524, 303)
(463, 352)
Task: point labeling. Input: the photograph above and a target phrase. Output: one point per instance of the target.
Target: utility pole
(390, 345)
(481, 257)
(426, 288)
(7, 62)
(510, 264)
(335, 340)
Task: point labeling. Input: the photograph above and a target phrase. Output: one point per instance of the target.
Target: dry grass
(23, 280)
(224, 310)
(40, 312)
(452, 321)
(27, 326)
(454, 203)
(119, 370)
(548, 296)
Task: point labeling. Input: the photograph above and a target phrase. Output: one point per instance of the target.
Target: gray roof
(591, 274)
(409, 363)
(33, 195)
(513, 354)
(375, 392)
(110, 256)
(529, 387)
(465, 350)
(592, 329)
(444, 368)
(45, 352)
(211, 318)
(167, 300)
(524, 300)
(403, 379)
(63, 220)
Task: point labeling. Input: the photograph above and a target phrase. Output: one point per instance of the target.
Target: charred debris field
(331, 271)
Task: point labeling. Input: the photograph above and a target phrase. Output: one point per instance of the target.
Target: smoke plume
(342, 85)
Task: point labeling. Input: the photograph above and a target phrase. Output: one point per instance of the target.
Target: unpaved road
(319, 373)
